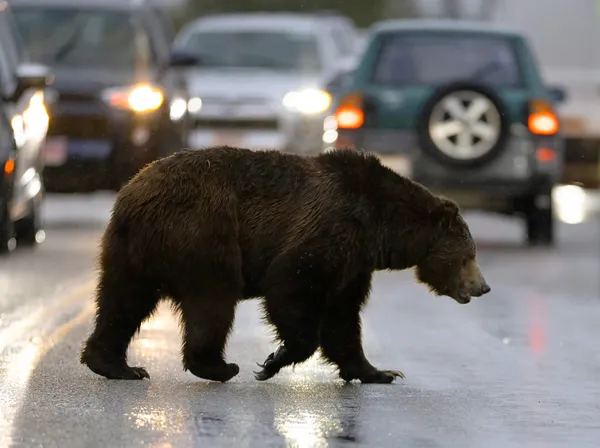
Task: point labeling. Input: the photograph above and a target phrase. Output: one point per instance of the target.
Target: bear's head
(450, 267)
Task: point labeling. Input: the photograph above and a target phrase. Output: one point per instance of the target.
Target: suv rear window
(431, 60)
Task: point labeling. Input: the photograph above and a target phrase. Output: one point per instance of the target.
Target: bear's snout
(476, 289)
(473, 283)
(480, 290)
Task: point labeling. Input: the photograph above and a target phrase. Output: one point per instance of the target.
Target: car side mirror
(31, 76)
(181, 59)
(557, 94)
(339, 82)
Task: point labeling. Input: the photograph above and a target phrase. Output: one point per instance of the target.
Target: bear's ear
(445, 209)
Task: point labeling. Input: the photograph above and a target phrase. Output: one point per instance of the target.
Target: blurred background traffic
(494, 103)
(96, 90)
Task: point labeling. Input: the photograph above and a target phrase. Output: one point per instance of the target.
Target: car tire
(430, 148)
(539, 220)
(28, 228)
(7, 233)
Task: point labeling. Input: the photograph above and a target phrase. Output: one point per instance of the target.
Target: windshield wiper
(66, 47)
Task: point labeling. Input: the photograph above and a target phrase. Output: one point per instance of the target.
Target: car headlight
(309, 101)
(33, 121)
(178, 109)
(141, 98)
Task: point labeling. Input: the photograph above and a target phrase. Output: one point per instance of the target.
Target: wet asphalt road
(519, 367)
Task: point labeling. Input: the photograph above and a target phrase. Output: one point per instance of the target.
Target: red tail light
(542, 120)
(350, 114)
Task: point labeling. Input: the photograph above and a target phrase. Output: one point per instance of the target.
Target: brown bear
(211, 227)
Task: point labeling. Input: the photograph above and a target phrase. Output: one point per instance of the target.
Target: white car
(260, 82)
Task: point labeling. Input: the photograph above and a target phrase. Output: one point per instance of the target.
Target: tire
(539, 220)
(28, 228)
(430, 148)
(6, 230)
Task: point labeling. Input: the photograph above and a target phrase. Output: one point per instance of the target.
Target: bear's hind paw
(263, 375)
(269, 368)
(266, 373)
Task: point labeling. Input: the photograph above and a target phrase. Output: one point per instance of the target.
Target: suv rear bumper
(516, 170)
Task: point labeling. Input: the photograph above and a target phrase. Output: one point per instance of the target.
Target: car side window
(8, 57)
(9, 40)
(7, 76)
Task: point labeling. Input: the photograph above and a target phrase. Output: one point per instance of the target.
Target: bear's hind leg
(293, 307)
(123, 302)
(341, 336)
(296, 327)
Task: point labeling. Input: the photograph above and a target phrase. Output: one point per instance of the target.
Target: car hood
(240, 84)
(89, 80)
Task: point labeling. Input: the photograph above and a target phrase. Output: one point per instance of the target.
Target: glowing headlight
(194, 105)
(310, 101)
(178, 109)
(141, 98)
(33, 121)
(36, 113)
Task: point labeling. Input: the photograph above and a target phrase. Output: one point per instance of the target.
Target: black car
(118, 100)
(23, 127)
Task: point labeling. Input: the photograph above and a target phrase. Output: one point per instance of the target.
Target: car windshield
(77, 38)
(289, 51)
(429, 60)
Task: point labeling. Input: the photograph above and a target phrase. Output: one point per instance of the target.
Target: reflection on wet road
(516, 368)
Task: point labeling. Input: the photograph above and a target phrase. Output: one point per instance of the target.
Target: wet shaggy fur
(209, 228)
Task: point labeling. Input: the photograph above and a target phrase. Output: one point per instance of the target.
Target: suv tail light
(542, 120)
(350, 114)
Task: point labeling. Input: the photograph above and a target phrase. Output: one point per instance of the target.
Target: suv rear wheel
(539, 219)
(464, 124)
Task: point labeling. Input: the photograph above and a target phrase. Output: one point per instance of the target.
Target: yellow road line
(34, 320)
(63, 330)
(14, 381)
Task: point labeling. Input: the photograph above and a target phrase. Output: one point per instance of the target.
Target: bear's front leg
(206, 328)
(341, 336)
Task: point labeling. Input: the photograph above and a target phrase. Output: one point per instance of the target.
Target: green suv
(461, 108)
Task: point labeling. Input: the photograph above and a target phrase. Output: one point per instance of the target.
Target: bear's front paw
(221, 372)
(381, 377)
(116, 370)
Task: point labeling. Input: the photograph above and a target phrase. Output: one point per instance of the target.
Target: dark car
(461, 108)
(119, 99)
(23, 127)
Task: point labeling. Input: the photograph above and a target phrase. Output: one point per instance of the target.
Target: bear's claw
(268, 369)
(264, 375)
(396, 373)
(141, 372)
(382, 377)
